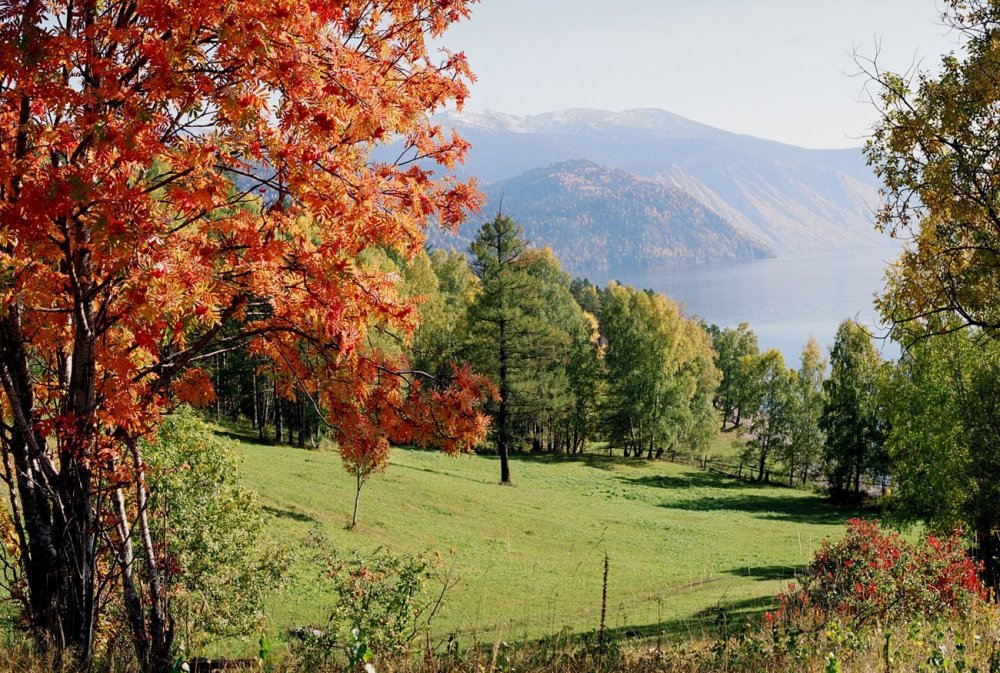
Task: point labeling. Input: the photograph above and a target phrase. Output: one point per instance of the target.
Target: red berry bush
(872, 575)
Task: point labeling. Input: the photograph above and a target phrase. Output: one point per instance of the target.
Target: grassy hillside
(680, 541)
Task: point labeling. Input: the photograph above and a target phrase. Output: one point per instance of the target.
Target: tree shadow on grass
(440, 473)
(240, 436)
(600, 461)
(289, 514)
(771, 572)
(693, 478)
(777, 506)
(719, 620)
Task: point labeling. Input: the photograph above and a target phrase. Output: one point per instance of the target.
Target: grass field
(680, 541)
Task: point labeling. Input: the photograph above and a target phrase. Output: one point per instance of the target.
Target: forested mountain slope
(721, 196)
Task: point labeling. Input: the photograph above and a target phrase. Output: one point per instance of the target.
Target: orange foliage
(123, 129)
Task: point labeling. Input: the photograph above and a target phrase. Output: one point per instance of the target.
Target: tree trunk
(60, 593)
(988, 552)
(32, 479)
(278, 429)
(57, 509)
(161, 624)
(857, 480)
(256, 402)
(126, 561)
(218, 388)
(359, 482)
(503, 421)
(302, 421)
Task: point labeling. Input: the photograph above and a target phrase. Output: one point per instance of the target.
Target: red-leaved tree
(182, 178)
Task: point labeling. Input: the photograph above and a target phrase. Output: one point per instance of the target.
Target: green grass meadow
(681, 542)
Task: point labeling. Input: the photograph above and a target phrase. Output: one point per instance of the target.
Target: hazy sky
(777, 69)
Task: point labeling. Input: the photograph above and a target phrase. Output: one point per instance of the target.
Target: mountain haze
(605, 218)
(648, 187)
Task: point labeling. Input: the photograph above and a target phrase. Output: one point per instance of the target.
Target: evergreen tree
(523, 322)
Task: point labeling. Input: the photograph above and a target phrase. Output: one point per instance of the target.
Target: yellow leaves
(8, 538)
(8, 241)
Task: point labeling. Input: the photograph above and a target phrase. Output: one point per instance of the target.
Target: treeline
(575, 364)
(920, 433)
(572, 363)
(819, 423)
(248, 387)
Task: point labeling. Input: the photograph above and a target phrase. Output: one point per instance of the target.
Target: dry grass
(971, 644)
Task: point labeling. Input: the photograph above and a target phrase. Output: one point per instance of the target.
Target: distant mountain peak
(602, 218)
(575, 165)
(571, 120)
(487, 120)
(617, 190)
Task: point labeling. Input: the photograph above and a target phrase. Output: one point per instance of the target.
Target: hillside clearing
(681, 542)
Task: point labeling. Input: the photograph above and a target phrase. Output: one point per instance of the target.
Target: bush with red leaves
(875, 575)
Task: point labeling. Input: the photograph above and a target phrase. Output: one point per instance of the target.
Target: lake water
(785, 300)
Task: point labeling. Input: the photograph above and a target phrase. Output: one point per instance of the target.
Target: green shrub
(221, 567)
(385, 602)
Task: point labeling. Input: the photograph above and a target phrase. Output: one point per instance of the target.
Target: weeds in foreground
(869, 602)
(971, 644)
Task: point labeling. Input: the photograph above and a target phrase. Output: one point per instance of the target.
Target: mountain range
(617, 191)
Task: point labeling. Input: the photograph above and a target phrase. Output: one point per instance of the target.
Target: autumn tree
(936, 149)
(850, 419)
(168, 169)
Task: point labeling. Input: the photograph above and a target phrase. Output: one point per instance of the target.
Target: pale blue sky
(776, 69)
